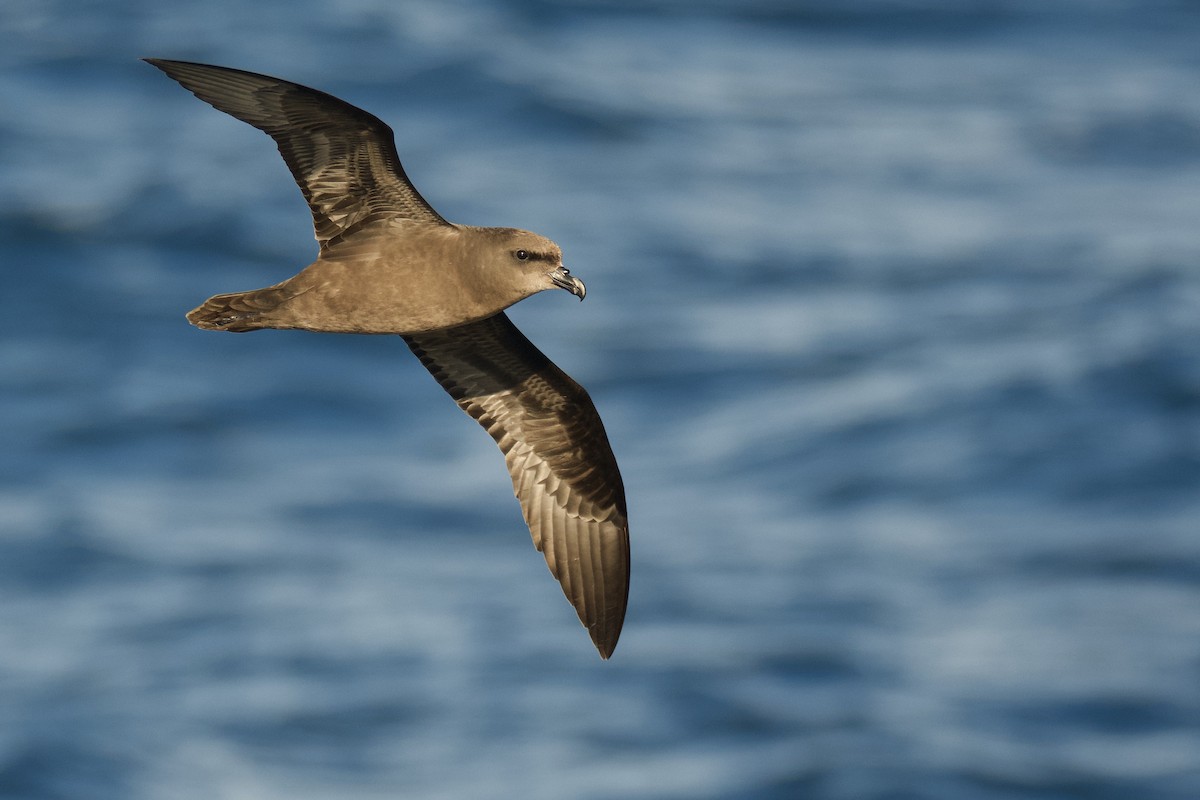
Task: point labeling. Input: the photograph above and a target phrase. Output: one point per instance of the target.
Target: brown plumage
(389, 263)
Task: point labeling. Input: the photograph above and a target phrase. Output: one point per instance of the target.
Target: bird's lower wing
(563, 470)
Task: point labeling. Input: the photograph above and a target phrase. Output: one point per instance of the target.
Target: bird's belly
(390, 310)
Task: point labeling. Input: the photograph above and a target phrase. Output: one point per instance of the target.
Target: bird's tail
(239, 312)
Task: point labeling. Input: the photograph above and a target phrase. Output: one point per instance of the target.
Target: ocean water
(893, 319)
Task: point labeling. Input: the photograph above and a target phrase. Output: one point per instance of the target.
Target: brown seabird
(389, 263)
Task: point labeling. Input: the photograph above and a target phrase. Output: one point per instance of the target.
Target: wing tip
(163, 64)
(605, 648)
(605, 633)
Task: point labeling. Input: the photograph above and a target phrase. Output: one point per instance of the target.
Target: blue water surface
(893, 319)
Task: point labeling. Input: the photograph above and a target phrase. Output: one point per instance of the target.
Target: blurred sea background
(893, 319)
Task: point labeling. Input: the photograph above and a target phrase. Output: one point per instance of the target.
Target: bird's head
(535, 261)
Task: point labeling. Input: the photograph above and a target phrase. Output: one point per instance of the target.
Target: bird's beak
(563, 279)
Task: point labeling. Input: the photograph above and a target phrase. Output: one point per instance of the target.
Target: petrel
(388, 263)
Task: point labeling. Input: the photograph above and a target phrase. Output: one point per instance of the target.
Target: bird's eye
(521, 255)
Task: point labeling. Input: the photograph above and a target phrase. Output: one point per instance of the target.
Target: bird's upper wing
(343, 158)
(563, 470)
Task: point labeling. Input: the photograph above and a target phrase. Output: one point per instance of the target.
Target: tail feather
(238, 312)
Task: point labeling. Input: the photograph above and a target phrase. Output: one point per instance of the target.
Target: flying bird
(388, 263)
